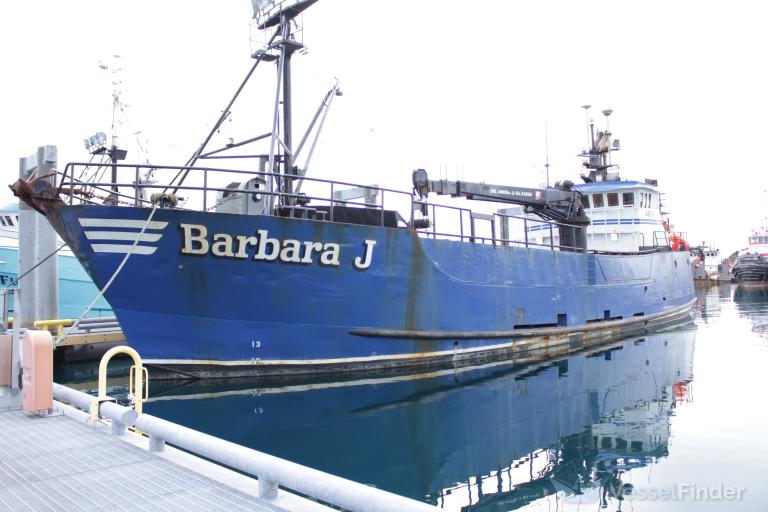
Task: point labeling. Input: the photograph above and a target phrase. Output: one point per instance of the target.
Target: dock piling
(37, 241)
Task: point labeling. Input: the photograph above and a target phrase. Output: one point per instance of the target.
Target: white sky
(459, 86)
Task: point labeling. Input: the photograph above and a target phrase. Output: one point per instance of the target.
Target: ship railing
(660, 238)
(104, 192)
(465, 222)
(462, 224)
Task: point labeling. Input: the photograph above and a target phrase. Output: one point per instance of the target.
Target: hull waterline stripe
(533, 340)
(123, 249)
(515, 333)
(342, 360)
(272, 390)
(125, 236)
(121, 223)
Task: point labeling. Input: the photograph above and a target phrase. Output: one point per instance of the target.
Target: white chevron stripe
(121, 223)
(128, 236)
(123, 248)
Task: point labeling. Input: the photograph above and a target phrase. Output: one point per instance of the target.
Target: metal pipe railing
(333, 185)
(271, 471)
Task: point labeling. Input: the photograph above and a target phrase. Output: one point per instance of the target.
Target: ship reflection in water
(492, 438)
(751, 300)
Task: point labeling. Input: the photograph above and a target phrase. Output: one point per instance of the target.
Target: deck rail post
(267, 488)
(118, 428)
(156, 443)
(136, 189)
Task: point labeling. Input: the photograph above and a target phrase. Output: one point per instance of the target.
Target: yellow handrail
(136, 389)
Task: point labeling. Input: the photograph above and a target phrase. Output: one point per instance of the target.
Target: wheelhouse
(625, 217)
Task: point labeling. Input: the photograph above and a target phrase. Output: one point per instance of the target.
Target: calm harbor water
(672, 420)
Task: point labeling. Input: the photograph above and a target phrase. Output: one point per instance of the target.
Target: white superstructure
(625, 216)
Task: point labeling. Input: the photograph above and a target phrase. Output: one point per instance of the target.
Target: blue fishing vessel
(234, 271)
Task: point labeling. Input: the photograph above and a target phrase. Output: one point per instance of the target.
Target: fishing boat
(708, 265)
(220, 271)
(750, 267)
(751, 264)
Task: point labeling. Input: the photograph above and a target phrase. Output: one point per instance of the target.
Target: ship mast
(282, 14)
(279, 49)
(601, 145)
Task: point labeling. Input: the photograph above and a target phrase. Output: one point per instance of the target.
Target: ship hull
(212, 294)
(750, 267)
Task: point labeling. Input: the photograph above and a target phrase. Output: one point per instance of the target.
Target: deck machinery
(560, 204)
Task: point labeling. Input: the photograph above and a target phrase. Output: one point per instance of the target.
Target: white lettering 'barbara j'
(362, 263)
(261, 247)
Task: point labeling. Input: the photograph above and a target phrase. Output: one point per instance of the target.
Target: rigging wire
(15, 282)
(85, 169)
(182, 174)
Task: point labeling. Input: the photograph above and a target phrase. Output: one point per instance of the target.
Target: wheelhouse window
(585, 201)
(628, 198)
(597, 200)
(613, 199)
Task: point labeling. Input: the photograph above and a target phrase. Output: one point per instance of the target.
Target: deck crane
(560, 204)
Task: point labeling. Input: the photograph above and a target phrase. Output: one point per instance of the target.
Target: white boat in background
(709, 265)
(76, 289)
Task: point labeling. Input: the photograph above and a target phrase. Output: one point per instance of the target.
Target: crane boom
(560, 204)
